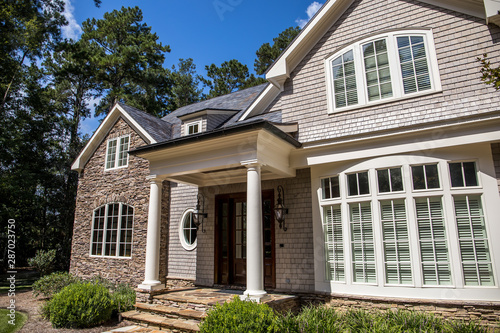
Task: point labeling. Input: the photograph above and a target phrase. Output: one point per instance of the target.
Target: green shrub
(123, 298)
(43, 261)
(238, 316)
(79, 305)
(50, 285)
(319, 319)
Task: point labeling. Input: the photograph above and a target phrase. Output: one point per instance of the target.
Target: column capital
(252, 164)
(154, 179)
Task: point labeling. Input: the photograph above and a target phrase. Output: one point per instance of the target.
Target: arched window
(381, 68)
(112, 230)
(188, 231)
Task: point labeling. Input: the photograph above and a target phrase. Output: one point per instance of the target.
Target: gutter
(217, 133)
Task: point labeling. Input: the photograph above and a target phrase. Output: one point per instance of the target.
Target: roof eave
(221, 132)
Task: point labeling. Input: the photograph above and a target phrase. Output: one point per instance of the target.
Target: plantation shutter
(473, 240)
(433, 245)
(362, 243)
(396, 242)
(334, 244)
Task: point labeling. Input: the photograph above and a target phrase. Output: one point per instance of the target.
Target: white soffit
(103, 130)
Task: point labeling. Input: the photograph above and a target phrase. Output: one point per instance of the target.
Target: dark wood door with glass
(230, 240)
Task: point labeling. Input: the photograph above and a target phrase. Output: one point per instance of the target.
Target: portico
(248, 153)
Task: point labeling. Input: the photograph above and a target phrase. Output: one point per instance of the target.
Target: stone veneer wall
(129, 185)
(487, 313)
(295, 260)
(495, 150)
(181, 263)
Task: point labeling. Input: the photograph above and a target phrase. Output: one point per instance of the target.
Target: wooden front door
(230, 240)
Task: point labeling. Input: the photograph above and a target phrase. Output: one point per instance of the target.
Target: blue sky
(209, 31)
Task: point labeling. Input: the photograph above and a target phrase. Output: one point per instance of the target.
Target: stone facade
(129, 185)
(464, 97)
(486, 313)
(294, 248)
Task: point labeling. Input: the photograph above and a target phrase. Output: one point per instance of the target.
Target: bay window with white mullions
(112, 230)
(385, 67)
(424, 226)
(117, 152)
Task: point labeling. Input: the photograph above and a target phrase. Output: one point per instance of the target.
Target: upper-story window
(386, 67)
(193, 127)
(117, 152)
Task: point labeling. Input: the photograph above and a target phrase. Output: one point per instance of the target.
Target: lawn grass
(5, 327)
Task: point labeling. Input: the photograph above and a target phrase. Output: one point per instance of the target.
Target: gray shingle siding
(459, 40)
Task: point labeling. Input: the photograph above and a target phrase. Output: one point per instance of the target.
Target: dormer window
(117, 152)
(386, 67)
(193, 127)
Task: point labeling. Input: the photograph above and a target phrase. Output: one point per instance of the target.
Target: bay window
(420, 227)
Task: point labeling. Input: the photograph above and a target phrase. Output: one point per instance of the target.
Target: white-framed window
(117, 152)
(193, 127)
(473, 241)
(418, 230)
(381, 68)
(188, 231)
(112, 229)
(463, 174)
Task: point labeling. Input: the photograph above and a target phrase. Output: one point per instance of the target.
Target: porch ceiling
(219, 157)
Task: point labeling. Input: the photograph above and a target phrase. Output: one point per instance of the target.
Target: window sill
(109, 257)
(384, 101)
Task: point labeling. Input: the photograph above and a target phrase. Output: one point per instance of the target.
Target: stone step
(170, 311)
(160, 322)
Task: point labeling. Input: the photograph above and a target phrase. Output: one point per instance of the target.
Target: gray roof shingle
(159, 129)
(237, 101)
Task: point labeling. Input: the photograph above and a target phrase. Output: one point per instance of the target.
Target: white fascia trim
(473, 8)
(306, 40)
(101, 133)
(492, 9)
(262, 102)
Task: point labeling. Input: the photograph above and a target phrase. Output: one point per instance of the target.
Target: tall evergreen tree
(185, 83)
(231, 76)
(129, 61)
(29, 28)
(267, 54)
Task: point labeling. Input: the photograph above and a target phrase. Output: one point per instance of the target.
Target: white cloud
(311, 10)
(73, 29)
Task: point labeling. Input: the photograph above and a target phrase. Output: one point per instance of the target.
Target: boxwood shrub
(238, 316)
(79, 305)
(50, 285)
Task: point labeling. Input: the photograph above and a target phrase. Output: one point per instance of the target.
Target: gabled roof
(150, 128)
(318, 26)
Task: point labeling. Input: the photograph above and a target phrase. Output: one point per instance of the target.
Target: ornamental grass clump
(79, 305)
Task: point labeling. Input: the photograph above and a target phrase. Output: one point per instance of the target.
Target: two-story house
(369, 165)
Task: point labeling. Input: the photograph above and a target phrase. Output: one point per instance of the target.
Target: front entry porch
(245, 155)
(182, 310)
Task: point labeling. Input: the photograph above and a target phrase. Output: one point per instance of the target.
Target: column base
(151, 285)
(253, 295)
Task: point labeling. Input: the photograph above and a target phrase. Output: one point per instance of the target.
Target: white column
(152, 269)
(255, 243)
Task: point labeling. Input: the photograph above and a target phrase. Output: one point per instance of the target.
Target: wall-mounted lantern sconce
(199, 214)
(280, 210)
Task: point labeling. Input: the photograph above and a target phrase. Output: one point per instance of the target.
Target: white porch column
(152, 269)
(255, 243)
